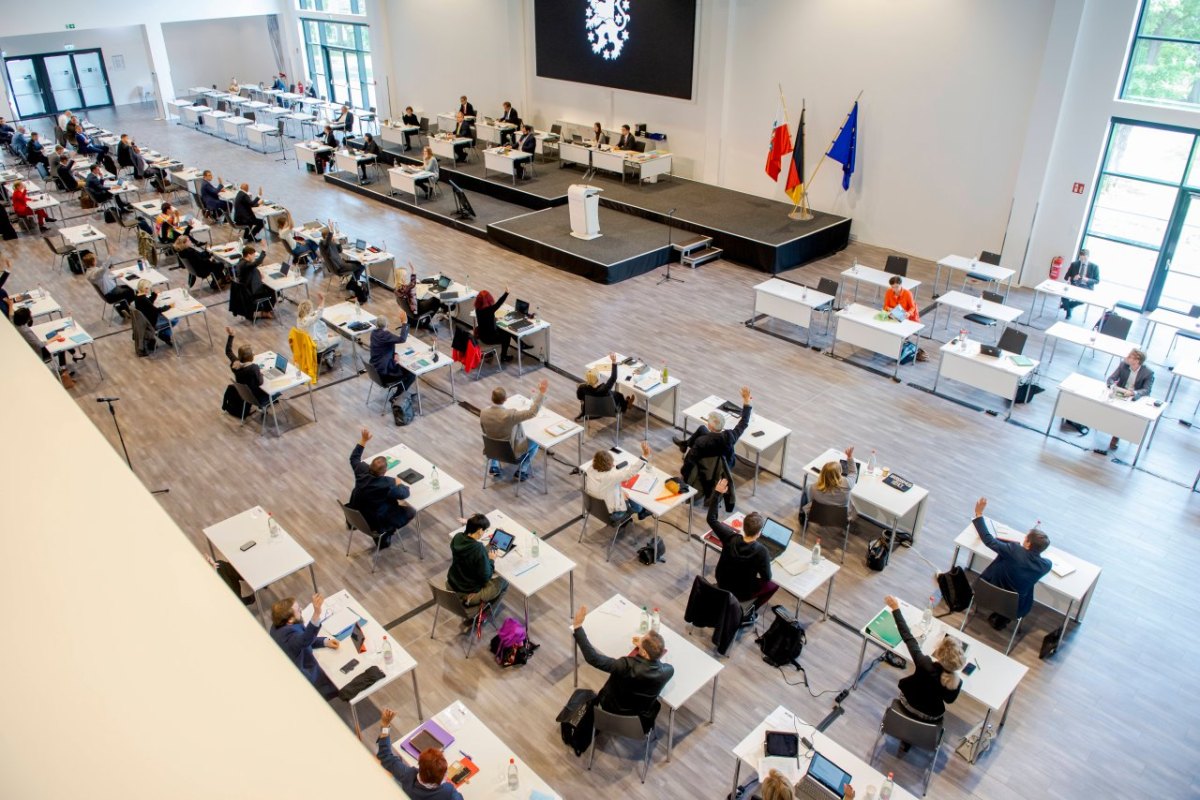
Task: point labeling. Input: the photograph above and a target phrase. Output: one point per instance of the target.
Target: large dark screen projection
(639, 45)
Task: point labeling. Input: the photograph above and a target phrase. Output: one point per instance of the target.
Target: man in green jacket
(471, 572)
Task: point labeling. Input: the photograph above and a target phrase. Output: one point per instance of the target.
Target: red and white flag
(781, 142)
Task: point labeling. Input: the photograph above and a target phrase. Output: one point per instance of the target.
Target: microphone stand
(670, 243)
(116, 423)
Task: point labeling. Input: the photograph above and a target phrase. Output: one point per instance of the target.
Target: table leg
(453, 390)
(313, 575)
(571, 593)
(737, 771)
(757, 462)
(670, 733)
(954, 558)
(207, 330)
(712, 709)
(417, 384)
(311, 402)
(354, 716)
(520, 363)
(937, 278)
(575, 656)
(1053, 414)
(97, 359)
(417, 695)
(938, 377)
(828, 598)
(460, 505)
(258, 603)
(862, 654)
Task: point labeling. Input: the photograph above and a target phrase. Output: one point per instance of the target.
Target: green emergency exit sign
(70, 26)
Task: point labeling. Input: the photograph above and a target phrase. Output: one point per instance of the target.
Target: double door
(53, 82)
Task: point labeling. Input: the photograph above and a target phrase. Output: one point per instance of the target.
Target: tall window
(357, 8)
(1164, 67)
(338, 55)
(1144, 226)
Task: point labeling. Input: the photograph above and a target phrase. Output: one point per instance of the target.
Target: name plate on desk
(896, 482)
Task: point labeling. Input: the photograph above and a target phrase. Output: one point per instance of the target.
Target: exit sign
(70, 26)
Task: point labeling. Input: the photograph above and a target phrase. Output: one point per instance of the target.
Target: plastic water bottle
(665, 374)
(804, 292)
(885, 791)
(962, 339)
(41, 293)
(856, 263)
(388, 655)
(535, 546)
(816, 552)
(872, 464)
(434, 481)
(927, 615)
(272, 526)
(655, 619)
(645, 623)
(141, 265)
(513, 780)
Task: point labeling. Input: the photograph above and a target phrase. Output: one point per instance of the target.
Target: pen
(465, 755)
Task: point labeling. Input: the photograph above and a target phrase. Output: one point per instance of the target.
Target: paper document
(796, 561)
(340, 622)
(1062, 568)
(787, 767)
(559, 428)
(522, 565)
(645, 483)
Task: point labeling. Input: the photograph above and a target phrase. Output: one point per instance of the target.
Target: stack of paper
(795, 561)
(340, 622)
(645, 483)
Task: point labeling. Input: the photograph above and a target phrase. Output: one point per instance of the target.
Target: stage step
(696, 242)
(694, 258)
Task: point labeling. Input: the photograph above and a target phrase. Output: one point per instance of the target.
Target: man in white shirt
(603, 482)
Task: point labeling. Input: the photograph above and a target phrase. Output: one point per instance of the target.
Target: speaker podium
(584, 202)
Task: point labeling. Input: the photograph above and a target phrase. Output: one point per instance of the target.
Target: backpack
(234, 581)
(157, 183)
(110, 216)
(510, 645)
(233, 404)
(402, 409)
(360, 289)
(956, 589)
(647, 556)
(1026, 392)
(75, 262)
(908, 352)
(877, 554)
(783, 641)
(575, 720)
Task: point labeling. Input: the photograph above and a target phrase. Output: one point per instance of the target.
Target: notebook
(796, 562)
(1021, 361)
(430, 734)
(883, 627)
(410, 476)
(521, 325)
(1062, 568)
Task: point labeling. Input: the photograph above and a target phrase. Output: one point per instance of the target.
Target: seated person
(243, 212)
(245, 371)
(23, 318)
(897, 295)
(833, 489)
(406, 296)
(114, 292)
(472, 574)
(486, 329)
(408, 118)
(20, 206)
(591, 387)
(6, 132)
(1131, 379)
(146, 301)
(234, 88)
(345, 120)
(713, 440)
(506, 425)
(370, 147)
(20, 141)
(248, 275)
(1083, 273)
(1018, 566)
(308, 319)
(377, 497)
(298, 639)
(201, 264)
(331, 256)
(603, 482)
(509, 116)
(85, 145)
(34, 152)
(744, 568)
(65, 172)
(935, 682)
(100, 193)
(325, 159)
(429, 163)
(169, 224)
(634, 681)
(465, 108)
(526, 143)
(776, 786)
(598, 135)
(626, 142)
(279, 84)
(426, 781)
(210, 195)
(462, 130)
(125, 157)
(383, 352)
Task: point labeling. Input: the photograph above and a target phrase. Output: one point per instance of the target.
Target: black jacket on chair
(710, 607)
(633, 684)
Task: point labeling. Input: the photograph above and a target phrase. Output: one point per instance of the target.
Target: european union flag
(844, 146)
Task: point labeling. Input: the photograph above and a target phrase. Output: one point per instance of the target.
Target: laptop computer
(277, 371)
(521, 325)
(502, 541)
(360, 244)
(775, 537)
(556, 129)
(443, 283)
(576, 138)
(521, 307)
(824, 780)
(446, 297)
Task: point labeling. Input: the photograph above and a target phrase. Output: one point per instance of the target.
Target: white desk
(790, 302)
(395, 133)
(293, 378)
(656, 501)
(749, 751)
(571, 153)
(970, 304)
(609, 627)
(187, 178)
(444, 147)
(1084, 337)
(875, 499)
(404, 179)
(279, 283)
(234, 128)
(350, 320)
(800, 585)
(860, 273)
(421, 494)
(525, 573)
(331, 661)
(649, 165)
(962, 361)
(1075, 588)
(379, 264)
(459, 304)
(995, 274)
(993, 683)
(67, 334)
(857, 325)
(191, 114)
(271, 559)
(183, 307)
(79, 235)
(1189, 370)
(1086, 401)
(259, 133)
(764, 442)
(491, 132)
(39, 302)
(1099, 297)
(537, 430)
(504, 160)
(211, 120)
(488, 753)
(1181, 323)
(643, 384)
(351, 160)
(307, 152)
(135, 273)
(538, 333)
(422, 359)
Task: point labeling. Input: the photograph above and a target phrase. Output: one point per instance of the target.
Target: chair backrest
(829, 515)
(423, 125)
(1195, 312)
(595, 507)
(923, 735)
(993, 297)
(896, 265)
(598, 407)
(828, 286)
(989, 258)
(1116, 325)
(627, 726)
(444, 598)
(1012, 341)
(374, 375)
(356, 520)
(990, 597)
(499, 450)
(249, 115)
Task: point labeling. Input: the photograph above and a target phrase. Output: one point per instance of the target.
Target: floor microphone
(107, 399)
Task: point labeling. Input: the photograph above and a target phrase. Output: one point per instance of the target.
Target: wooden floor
(1107, 717)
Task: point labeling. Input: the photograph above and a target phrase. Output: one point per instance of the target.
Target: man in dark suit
(247, 274)
(35, 152)
(744, 568)
(465, 108)
(510, 116)
(298, 640)
(626, 142)
(1018, 566)
(1131, 379)
(634, 681)
(527, 143)
(96, 188)
(210, 195)
(383, 351)
(1082, 272)
(345, 121)
(243, 212)
(376, 496)
(65, 171)
(409, 118)
(462, 130)
(6, 132)
(125, 155)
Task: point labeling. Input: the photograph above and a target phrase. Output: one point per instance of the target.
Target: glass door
(1177, 282)
(63, 85)
(337, 75)
(48, 83)
(90, 77)
(26, 87)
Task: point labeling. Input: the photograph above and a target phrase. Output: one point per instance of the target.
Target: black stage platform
(630, 245)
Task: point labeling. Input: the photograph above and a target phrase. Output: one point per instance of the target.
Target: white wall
(26, 18)
(204, 52)
(125, 84)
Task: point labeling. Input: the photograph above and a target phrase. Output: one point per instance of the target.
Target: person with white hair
(713, 439)
(935, 681)
(146, 301)
(383, 351)
(592, 387)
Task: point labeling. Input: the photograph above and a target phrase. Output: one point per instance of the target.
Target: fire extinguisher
(1055, 267)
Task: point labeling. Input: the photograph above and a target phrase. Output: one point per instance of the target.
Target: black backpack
(234, 581)
(877, 554)
(575, 720)
(402, 409)
(956, 589)
(783, 641)
(233, 404)
(647, 556)
(75, 262)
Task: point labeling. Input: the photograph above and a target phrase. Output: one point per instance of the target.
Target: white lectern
(584, 201)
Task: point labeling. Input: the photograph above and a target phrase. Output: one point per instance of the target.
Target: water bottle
(141, 265)
(388, 655)
(927, 616)
(536, 546)
(885, 791)
(272, 526)
(816, 552)
(41, 293)
(962, 339)
(434, 481)
(804, 292)
(513, 780)
(645, 623)
(871, 464)
(856, 264)
(655, 620)
(665, 374)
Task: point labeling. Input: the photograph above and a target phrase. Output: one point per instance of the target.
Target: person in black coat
(146, 301)
(243, 212)
(210, 195)
(465, 108)
(1082, 272)
(744, 568)
(486, 329)
(369, 147)
(713, 439)
(510, 116)
(591, 387)
(125, 155)
(462, 130)
(248, 275)
(634, 681)
(527, 143)
(298, 639)
(409, 118)
(935, 682)
(626, 142)
(245, 371)
(376, 496)
(1018, 566)
(599, 137)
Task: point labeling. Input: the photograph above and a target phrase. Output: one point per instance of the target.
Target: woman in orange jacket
(897, 295)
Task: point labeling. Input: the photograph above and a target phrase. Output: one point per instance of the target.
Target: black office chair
(986, 258)
(444, 598)
(896, 265)
(603, 407)
(1012, 341)
(832, 288)
(595, 507)
(990, 597)
(499, 450)
(623, 726)
(355, 521)
(921, 735)
(829, 517)
(389, 385)
(1113, 324)
(982, 319)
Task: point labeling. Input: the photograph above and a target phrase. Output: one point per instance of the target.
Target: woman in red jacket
(20, 204)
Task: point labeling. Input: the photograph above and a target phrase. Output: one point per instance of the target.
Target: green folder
(1021, 361)
(883, 627)
(391, 463)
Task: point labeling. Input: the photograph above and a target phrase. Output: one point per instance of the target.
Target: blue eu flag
(844, 146)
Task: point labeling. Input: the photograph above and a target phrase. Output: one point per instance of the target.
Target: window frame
(1138, 38)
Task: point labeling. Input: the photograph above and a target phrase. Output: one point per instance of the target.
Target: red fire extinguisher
(1055, 267)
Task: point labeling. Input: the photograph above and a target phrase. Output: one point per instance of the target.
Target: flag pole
(825, 154)
(800, 209)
